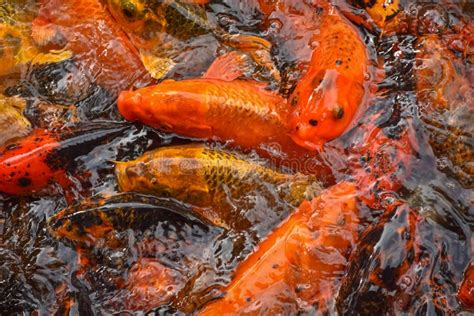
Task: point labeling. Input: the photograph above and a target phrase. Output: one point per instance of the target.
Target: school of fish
(297, 152)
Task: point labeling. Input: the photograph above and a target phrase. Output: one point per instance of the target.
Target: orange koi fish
(298, 264)
(243, 112)
(332, 91)
(32, 163)
(94, 38)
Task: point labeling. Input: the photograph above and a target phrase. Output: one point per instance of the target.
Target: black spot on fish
(294, 101)
(313, 122)
(338, 62)
(24, 182)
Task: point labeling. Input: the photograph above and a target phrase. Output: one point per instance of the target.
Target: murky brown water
(408, 261)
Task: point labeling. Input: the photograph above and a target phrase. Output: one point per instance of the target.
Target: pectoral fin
(157, 66)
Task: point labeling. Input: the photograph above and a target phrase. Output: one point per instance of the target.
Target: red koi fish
(97, 42)
(299, 264)
(331, 93)
(31, 164)
(27, 166)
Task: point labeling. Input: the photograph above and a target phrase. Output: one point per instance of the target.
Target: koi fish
(331, 93)
(31, 164)
(216, 183)
(99, 217)
(299, 263)
(211, 109)
(86, 28)
(155, 26)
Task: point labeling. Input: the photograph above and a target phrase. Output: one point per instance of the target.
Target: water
(410, 260)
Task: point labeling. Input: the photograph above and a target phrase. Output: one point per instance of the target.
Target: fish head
(169, 106)
(165, 172)
(324, 108)
(138, 19)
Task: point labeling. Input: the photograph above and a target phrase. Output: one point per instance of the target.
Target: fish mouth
(301, 135)
(127, 102)
(313, 146)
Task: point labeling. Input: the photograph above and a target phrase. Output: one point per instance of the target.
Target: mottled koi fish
(331, 93)
(289, 272)
(216, 183)
(100, 217)
(30, 164)
(87, 29)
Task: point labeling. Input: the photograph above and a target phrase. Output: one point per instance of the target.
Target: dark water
(408, 261)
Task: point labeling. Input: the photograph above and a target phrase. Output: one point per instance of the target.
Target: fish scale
(185, 21)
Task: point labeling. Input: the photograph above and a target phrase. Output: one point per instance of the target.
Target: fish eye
(129, 9)
(313, 122)
(338, 112)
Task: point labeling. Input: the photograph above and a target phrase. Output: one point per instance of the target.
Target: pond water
(409, 152)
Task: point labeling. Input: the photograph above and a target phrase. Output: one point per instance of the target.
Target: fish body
(32, 163)
(289, 272)
(242, 112)
(105, 52)
(328, 97)
(97, 218)
(215, 181)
